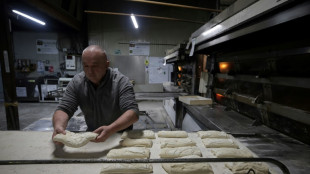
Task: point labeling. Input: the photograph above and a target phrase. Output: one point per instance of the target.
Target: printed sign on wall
(139, 48)
(45, 46)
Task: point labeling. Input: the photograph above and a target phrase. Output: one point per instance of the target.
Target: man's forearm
(60, 119)
(126, 120)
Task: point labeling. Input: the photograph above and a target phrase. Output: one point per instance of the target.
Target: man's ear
(108, 63)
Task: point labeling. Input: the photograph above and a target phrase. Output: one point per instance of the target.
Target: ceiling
(63, 15)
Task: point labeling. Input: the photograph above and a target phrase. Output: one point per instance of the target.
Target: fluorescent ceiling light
(29, 17)
(134, 21)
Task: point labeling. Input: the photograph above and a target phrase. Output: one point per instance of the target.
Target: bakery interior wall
(114, 32)
(111, 32)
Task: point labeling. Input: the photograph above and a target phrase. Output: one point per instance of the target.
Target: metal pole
(179, 160)
(7, 70)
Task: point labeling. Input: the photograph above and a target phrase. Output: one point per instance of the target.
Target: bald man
(105, 96)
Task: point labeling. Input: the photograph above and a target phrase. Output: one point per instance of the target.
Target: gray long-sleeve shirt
(103, 105)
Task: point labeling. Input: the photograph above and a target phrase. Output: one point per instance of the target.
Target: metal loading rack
(283, 168)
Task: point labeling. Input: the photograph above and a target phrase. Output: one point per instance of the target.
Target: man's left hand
(104, 133)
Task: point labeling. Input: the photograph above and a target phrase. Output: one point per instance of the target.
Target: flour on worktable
(75, 140)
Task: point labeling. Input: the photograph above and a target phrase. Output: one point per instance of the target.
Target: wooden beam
(56, 13)
(144, 16)
(176, 5)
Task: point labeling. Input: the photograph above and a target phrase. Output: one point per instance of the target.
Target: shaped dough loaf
(231, 153)
(122, 168)
(242, 167)
(172, 134)
(176, 142)
(179, 152)
(129, 153)
(219, 143)
(137, 134)
(212, 134)
(75, 139)
(192, 168)
(137, 142)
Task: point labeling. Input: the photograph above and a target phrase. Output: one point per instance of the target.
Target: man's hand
(58, 130)
(124, 121)
(60, 121)
(104, 133)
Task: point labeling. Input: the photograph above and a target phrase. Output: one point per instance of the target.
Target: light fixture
(134, 21)
(29, 17)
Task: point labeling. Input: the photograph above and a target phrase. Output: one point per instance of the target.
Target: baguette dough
(231, 153)
(137, 134)
(129, 153)
(212, 134)
(75, 140)
(179, 152)
(219, 143)
(136, 142)
(176, 142)
(122, 168)
(172, 134)
(243, 167)
(192, 168)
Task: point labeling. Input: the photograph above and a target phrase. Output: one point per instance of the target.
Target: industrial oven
(253, 59)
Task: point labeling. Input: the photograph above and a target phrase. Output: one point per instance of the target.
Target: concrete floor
(37, 117)
(28, 113)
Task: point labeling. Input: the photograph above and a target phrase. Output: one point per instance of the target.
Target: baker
(105, 96)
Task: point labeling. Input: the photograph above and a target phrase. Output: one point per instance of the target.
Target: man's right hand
(58, 131)
(60, 121)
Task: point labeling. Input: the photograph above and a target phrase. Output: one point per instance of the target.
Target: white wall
(25, 48)
(111, 31)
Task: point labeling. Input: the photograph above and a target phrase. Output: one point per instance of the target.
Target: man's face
(94, 65)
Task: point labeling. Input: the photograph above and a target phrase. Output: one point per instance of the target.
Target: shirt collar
(103, 80)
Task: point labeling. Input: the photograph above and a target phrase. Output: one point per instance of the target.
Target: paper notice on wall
(139, 48)
(45, 46)
(158, 73)
(40, 66)
(21, 91)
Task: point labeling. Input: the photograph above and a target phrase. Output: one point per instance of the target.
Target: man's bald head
(95, 63)
(95, 49)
